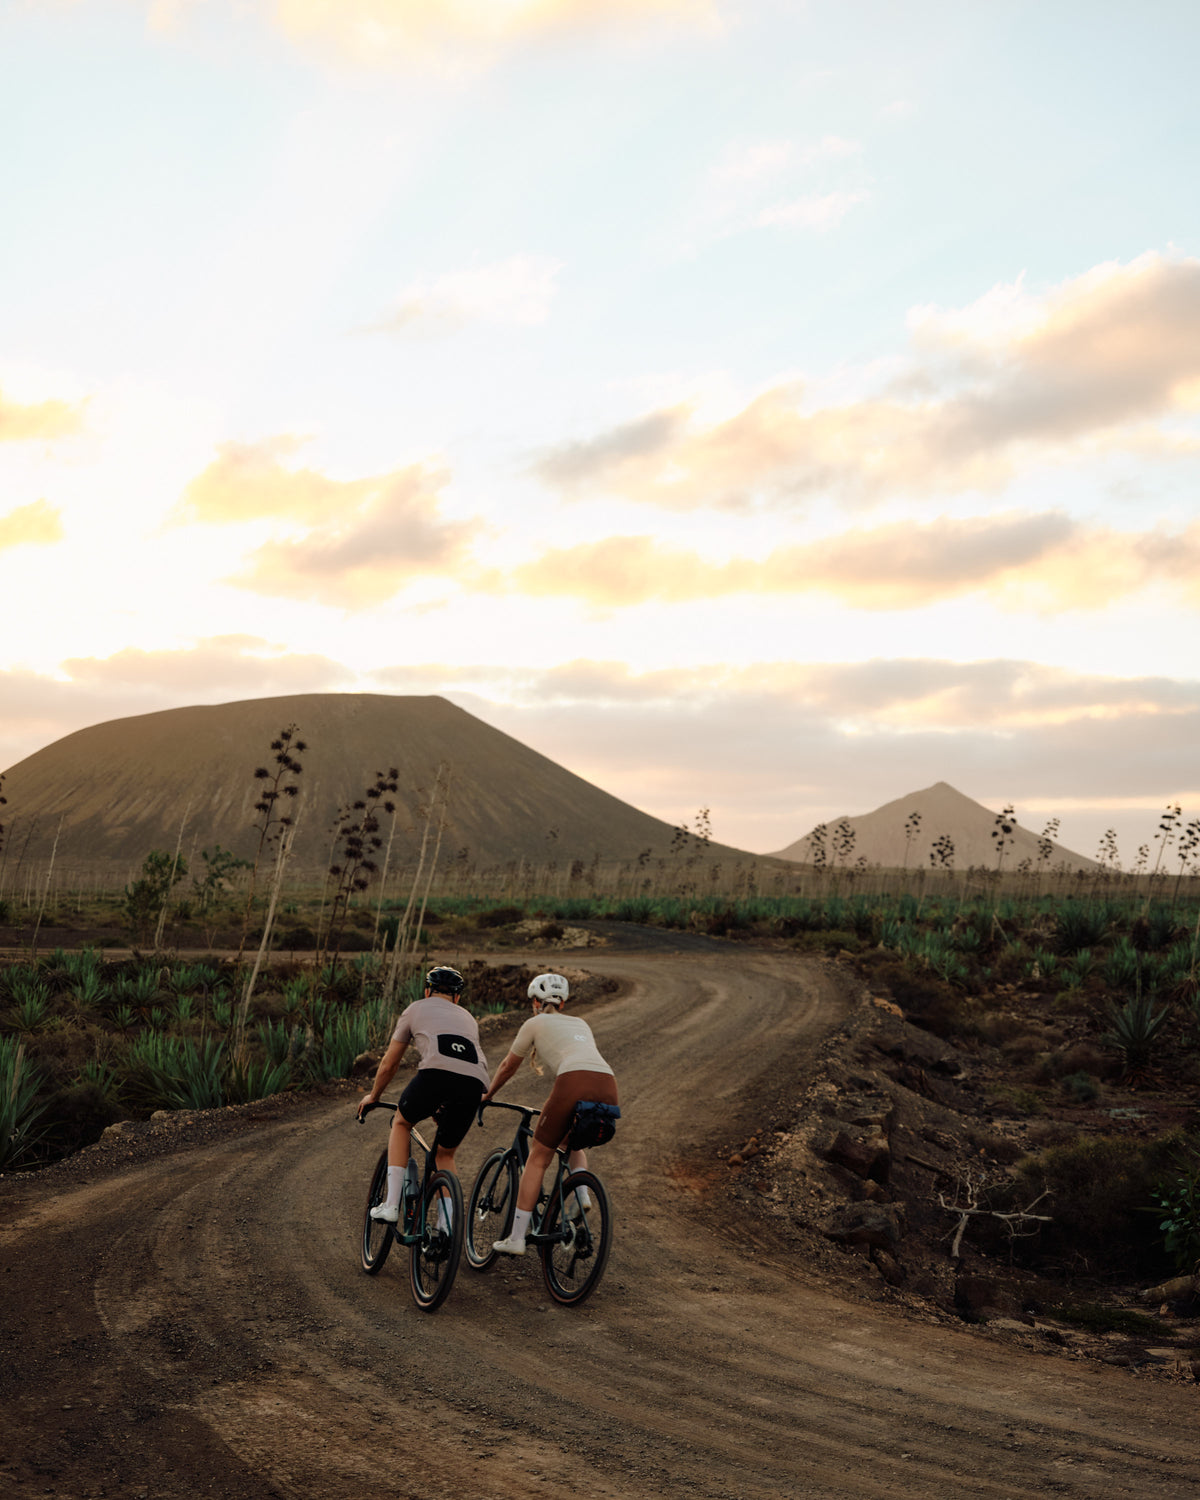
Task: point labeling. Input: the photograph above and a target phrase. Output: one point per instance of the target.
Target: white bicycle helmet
(550, 989)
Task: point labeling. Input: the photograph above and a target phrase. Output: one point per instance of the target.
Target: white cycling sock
(520, 1223)
(444, 1221)
(395, 1183)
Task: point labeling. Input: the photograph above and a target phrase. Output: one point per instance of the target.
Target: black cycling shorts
(451, 1098)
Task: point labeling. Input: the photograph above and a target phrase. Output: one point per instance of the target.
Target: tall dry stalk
(437, 849)
(46, 890)
(357, 829)
(383, 875)
(162, 916)
(395, 968)
(274, 825)
(283, 850)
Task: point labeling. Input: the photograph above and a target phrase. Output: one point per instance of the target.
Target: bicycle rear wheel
(433, 1262)
(376, 1236)
(490, 1212)
(574, 1259)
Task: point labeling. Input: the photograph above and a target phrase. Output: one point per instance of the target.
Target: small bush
(1097, 1318)
(299, 937)
(500, 916)
(1081, 1087)
(1177, 1200)
(1099, 1190)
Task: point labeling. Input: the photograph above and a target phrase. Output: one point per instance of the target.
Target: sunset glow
(767, 408)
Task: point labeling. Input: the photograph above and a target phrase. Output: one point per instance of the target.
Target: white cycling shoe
(385, 1213)
(510, 1246)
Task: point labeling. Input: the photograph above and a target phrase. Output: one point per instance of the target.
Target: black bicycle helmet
(445, 981)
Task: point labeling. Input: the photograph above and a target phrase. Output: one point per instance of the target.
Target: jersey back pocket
(460, 1048)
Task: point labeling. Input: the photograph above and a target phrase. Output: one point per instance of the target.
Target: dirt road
(199, 1326)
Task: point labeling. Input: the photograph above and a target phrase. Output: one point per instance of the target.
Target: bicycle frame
(571, 1222)
(520, 1152)
(413, 1227)
(433, 1237)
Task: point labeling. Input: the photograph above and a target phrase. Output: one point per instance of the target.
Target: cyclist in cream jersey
(565, 1045)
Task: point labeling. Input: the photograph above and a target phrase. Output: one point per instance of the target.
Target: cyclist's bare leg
(531, 1176)
(399, 1142)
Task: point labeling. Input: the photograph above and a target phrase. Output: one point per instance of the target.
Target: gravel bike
(572, 1240)
(433, 1250)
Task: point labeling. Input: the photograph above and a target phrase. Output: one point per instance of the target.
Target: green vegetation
(1177, 1200)
(1097, 1318)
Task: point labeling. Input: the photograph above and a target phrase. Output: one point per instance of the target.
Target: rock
(909, 1044)
(976, 1295)
(889, 1267)
(862, 1150)
(876, 1226)
(1179, 1290)
(871, 1109)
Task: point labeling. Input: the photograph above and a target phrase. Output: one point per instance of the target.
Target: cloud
(360, 541)
(1104, 360)
(41, 420)
(1045, 562)
(731, 197)
(36, 525)
(775, 748)
(366, 554)
(218, 664)
(248, 481)
(411, 31)
(815, 211)
(891, 567)
(518, 291)
(39, 709)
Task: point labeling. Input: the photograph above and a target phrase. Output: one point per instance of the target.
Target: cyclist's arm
(503, 1073)
(384, 1074)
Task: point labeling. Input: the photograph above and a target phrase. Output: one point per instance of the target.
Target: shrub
(1083, 1088)
(1178, 1201)
(1098, 1193)
(147, 897)
(500, 916)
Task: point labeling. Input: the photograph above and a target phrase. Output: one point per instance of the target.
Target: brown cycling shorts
(569, 1088)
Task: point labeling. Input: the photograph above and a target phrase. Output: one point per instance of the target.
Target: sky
(771, 408)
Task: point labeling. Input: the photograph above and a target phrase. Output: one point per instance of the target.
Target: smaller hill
(904, 833)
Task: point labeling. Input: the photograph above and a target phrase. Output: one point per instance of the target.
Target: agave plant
(1135, 1027)
(19, 1111)
(31, 1000)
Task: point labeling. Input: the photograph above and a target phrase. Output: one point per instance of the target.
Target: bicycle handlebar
(367, 1108)
(520, 1109)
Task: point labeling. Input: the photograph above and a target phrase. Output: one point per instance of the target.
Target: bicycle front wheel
(574, 1258)
(490, 1212)
(376, 1236)
(433, 1262)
